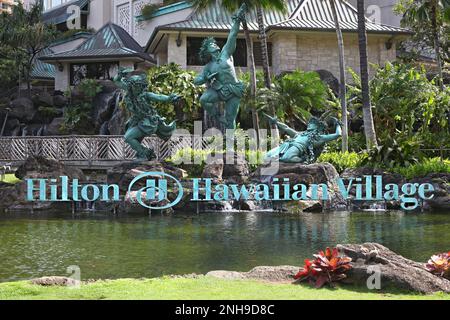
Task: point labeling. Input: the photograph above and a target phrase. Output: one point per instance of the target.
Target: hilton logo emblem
(155, 191)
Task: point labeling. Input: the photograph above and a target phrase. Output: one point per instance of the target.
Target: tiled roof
(111, 41)
(216, 18)
(42, 70)
(317, 15)
(302, 14)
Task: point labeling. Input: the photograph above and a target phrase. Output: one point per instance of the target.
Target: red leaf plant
(328, 267)
(440, 265)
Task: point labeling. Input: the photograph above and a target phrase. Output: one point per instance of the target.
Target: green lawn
(196, 289)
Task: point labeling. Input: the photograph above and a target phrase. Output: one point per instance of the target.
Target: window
(194, 44)
(99, 71)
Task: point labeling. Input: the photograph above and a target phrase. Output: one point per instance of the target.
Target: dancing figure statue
(303, 147)
(144, 119)
(220, 77)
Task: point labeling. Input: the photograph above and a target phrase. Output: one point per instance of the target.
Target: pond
(109, 247)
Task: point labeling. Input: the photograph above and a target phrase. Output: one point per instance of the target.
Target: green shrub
(393, 153)
(77, 117)
(424, 167)
(48, 112)
(169, 79)
(90, 88)
(343, 160)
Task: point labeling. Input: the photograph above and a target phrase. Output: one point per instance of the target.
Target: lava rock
(213, 169)
(395, 270)
(55, 281)
(272, 274)
(236, 168)
(318, 173)
(22, 109)
(53, 129)
(42, 168)
(60, 101)
(328, 78)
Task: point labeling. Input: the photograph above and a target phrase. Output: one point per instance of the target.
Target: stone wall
(312, 52)
(177, 54)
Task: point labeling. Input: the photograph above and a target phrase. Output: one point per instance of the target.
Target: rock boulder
(396, 271)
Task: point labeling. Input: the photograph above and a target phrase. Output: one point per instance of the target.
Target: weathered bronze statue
(220, 76)
(144, 120)
(303, 147)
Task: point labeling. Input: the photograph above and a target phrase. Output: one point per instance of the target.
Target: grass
(10, 178)
(202, 288)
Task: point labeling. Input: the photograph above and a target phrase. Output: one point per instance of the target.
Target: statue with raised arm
(303, 147)
(219, 75)
(144, 119)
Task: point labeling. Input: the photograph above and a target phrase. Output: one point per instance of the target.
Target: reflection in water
(136, 246)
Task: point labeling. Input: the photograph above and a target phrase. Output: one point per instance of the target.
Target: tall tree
(342, 82)
(27, 35)
(427, 18)
(369, 127)
(273, 5)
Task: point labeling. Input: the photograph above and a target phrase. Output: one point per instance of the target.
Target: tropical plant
(440, 265)
(342, 82)
(172, 78)
(343, 160)
(148, 10)
(427, 19)
(298, 94)
(24, 32)
(261, 7)
(424, 167)
(369, 126)
(327, 267)
(90, 88)
(407, 105)
(393, 154)
(77, 116)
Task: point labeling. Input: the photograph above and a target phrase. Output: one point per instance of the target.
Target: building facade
(302, 38)
(7, 5)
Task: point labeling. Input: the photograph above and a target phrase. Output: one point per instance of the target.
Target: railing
(90, 148)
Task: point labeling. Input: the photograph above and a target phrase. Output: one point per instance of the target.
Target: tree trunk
(342, 82)
(369, 127)
(252, 68)
(266, 64)
(437, 49)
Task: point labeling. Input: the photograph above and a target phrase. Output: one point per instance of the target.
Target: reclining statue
(220, 76)
(144, 120)
(303, 147)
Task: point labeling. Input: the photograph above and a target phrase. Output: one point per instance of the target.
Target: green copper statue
(303, 147)
(220, 76)
(144, 120)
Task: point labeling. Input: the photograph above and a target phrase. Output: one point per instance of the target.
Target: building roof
(308, 15)
(111, 41)
(42, 70)
(60, 14)
(317, 15)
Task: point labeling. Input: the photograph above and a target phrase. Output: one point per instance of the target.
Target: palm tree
(369, 127)
(428, 11)
(342, 82)
(273, 5)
